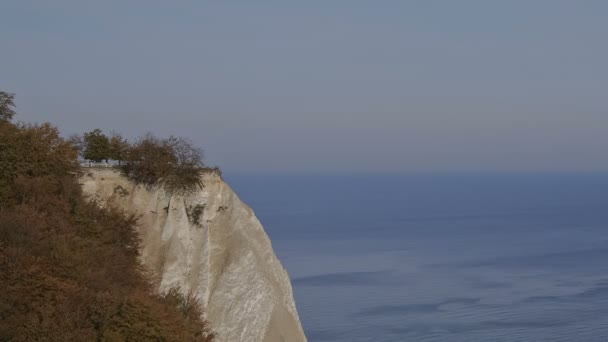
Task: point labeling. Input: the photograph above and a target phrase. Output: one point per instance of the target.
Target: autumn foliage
(69, 269)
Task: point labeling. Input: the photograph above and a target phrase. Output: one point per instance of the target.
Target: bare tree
(186, 152)
(77, 142)
(174, 163)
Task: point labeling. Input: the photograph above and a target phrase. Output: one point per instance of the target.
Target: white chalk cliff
(210, 244)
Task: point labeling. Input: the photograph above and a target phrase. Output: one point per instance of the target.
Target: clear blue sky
(324, 85)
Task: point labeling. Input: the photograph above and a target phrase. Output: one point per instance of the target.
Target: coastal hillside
(208, 244)
(157, 248)
(70, 269)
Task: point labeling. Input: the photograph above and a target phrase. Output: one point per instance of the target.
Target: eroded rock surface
(211, 244)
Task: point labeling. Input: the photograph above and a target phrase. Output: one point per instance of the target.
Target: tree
(185, 175)
(185, 152)
(77, 142)
(149, 160)
(7, 106)
(118, 147)
(96, 146)
(29, 153)
(175, 163)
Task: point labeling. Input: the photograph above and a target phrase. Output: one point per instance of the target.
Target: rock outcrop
(210, 244)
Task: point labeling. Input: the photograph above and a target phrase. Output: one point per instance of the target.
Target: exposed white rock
(226, 260)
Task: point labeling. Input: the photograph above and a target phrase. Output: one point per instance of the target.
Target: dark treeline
(173, 163)
(70, 269)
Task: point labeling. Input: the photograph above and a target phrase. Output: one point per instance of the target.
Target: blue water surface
(463, 257)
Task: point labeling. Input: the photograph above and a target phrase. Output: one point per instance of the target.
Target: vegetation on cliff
(173, 163)
(70, 269)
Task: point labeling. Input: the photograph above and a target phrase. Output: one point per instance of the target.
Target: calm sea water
(440, 258)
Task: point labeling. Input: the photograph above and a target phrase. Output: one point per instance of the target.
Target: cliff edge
(210, 244)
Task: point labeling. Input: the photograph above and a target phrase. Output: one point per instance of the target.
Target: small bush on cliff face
(120, 191)
(172, 163)
(69, 269)
(195, 214)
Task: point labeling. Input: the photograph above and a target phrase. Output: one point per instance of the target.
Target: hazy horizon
(317, 86)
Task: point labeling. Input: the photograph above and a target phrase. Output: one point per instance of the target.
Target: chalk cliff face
(210, 244)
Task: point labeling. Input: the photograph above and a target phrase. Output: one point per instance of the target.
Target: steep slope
(209, 243)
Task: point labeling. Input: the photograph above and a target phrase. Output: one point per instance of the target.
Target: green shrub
(96, 146)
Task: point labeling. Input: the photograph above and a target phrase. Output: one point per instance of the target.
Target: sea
(440, 257)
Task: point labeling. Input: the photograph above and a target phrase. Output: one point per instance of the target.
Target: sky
(324, 86)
